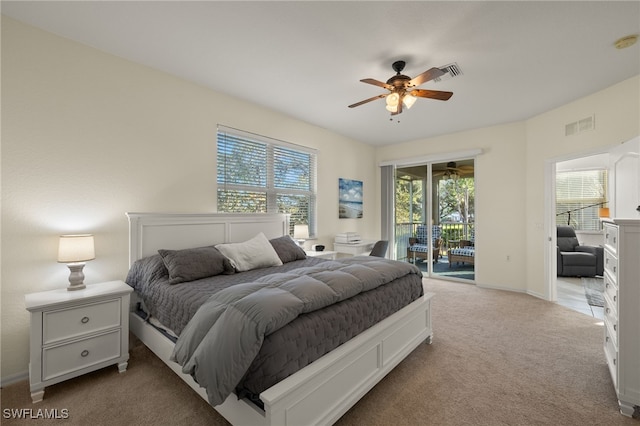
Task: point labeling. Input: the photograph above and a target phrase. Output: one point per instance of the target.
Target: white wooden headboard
(149, 232)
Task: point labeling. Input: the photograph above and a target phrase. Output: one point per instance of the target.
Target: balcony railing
(450, 231)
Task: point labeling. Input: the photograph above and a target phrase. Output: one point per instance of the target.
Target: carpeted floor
(498, 358)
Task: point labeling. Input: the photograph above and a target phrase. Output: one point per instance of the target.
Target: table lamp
(75, 250)
(300, 233)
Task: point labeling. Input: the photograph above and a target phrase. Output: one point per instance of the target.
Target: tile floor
(571, 295)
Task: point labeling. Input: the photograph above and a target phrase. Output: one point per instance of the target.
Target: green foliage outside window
(261, 175)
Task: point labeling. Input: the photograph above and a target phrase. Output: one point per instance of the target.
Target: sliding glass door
(435, 217)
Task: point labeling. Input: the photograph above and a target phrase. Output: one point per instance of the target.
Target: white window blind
(579, 194)
(258, 174)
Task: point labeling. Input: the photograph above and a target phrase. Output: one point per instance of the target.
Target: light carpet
(497, 358)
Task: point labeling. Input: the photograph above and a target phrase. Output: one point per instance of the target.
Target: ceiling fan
(452, 171)
(402, 89)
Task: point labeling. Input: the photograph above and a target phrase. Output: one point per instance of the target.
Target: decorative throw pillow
(287, 249)
(146, 270)
(251, 254)
(194, 264)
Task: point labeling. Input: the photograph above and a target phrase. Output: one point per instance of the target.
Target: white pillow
(251, 254)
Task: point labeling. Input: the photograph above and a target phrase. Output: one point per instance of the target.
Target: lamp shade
(393, 99)
(409, 100)
(301, 232)
(76, 248)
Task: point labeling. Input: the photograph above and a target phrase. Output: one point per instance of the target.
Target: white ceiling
(305, 59)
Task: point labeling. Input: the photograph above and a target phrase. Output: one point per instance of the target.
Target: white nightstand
(354, 249)
(322, 254)
(75, 332)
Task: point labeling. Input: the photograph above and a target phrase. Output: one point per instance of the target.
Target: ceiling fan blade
(377, 83)
(425, 76)
(432, 94)
(367, 100)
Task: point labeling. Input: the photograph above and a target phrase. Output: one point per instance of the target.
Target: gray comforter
(219, 343)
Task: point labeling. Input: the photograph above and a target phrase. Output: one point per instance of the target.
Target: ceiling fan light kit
(402, 90)
(453, 171)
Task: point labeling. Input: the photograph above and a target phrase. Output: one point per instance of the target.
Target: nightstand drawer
(80, 320)
(74, 356)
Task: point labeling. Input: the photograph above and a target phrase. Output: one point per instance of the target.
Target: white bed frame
(319, 393)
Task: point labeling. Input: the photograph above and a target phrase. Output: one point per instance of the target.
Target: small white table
(75, 332)
(326, 254)
(354, 249)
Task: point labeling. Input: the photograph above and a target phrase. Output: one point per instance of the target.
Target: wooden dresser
(622, 309)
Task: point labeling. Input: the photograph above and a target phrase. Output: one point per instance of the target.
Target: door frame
(550, 253)
(428, 160)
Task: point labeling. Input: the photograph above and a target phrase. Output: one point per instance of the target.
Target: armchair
(575, 260)
(419, 247)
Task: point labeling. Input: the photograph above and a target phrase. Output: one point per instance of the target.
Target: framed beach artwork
(350, 202)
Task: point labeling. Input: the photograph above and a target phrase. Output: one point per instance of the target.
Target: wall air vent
(451, 71)
(583, 125)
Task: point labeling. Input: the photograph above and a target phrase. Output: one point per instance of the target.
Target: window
(257, 174)
(579, 194)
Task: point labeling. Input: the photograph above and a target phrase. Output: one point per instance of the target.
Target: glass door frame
(427, 161)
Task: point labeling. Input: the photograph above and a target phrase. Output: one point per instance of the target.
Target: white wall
(617, 120)
(87, 136)
(499, 197)
(598, 161)
(510, 178)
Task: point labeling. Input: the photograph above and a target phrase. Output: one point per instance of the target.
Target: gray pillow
(194, 264)
(287, 249)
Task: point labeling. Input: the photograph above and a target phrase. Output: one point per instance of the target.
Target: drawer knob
(608, 310)
(84, 320)
(84, 353)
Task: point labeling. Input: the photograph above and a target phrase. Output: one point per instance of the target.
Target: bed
(323, 390)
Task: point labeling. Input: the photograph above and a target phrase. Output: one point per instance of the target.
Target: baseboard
(14, 378)
(495, 287)
(538, 295)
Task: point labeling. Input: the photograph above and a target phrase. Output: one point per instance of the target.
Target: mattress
(292, 347)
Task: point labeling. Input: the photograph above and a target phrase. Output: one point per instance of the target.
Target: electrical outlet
(508, 258)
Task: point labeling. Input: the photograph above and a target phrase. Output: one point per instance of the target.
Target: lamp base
(76, 278)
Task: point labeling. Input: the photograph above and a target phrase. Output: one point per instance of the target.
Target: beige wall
(499, 198)
(87, 136)
(510, 189)
(617, 120)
